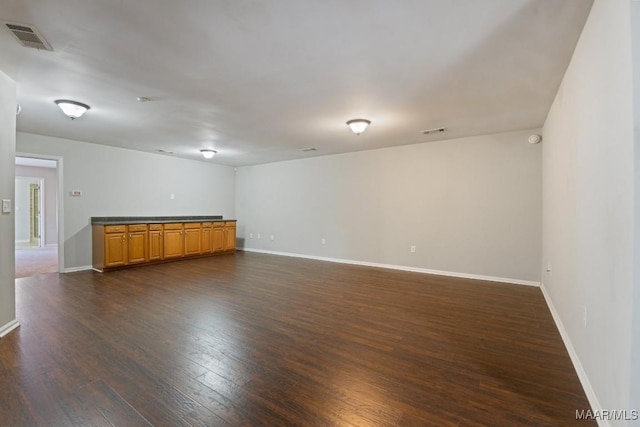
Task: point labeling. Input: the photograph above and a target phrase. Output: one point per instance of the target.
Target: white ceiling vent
(432, 131)
(28, 36)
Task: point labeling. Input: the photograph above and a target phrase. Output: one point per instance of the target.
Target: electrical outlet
(413, 249)
(272, 237)
(549, 269)
(258, 235)
(6, 206)
(584, 315)
(251, 235)
(323, 241)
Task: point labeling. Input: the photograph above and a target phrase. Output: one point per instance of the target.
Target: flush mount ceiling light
(208, 154)
(72, 109)
(358, 125)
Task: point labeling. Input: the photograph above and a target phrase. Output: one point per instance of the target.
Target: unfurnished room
(320, 213)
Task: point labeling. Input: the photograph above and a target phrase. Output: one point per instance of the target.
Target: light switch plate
(6, 206)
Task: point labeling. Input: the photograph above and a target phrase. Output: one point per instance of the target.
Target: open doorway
(29, 212)
(36, 216)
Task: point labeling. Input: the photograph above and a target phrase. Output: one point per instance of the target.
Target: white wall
(50, 178)
(121, 182)
(588, 200)
(469, 206)
(635, 351)
(7, 188)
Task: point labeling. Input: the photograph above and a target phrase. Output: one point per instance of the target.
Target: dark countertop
(113, 220)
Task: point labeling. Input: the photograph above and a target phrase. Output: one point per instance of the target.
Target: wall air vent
(28, 36)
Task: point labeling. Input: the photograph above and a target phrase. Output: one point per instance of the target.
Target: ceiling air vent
(432, 131)
(28, 36)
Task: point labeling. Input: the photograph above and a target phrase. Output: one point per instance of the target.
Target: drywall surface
(635, 332)
(7, 189)
(588, 200)
(470, 205)
(116, 181)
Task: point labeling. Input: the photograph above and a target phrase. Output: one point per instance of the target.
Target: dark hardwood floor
(261, 340)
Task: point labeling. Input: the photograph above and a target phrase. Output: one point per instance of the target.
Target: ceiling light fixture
(72, 109)
(208, 154)
(358, 125)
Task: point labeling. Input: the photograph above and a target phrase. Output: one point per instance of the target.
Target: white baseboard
(51, 245)
(399, 267)
(74, 269)
(582, 375)
(4, 330)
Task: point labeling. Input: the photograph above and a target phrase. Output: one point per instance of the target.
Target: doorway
(29, 212)
(36, 216)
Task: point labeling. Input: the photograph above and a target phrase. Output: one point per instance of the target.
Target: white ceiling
(261, 80)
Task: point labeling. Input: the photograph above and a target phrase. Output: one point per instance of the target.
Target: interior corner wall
(469, 205)
(121, 182)
(7, 188)
(50, 178)
(588, 204)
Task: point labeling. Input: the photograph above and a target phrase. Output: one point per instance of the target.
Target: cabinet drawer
(115, 228)
(173, 226)
(138, 227)
(192, 225)
(218, 224)
(230, 223)
(155, 227)
(207, 224)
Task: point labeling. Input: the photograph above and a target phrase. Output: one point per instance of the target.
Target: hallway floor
(36, 261)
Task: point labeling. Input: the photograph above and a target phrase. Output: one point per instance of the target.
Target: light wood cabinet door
(173, 241)
(230, 237)
(138, 244)
(155, 245)
(207, 238)
(115, 249)
(218, 238)
(192, 241)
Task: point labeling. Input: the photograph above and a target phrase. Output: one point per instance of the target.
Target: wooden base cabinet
(218, 237)
(192, 238)
(116, 246)
(138, 245)
(173, 241)
(119, 245)
(229, 236)
(155, 242)
(207, 237)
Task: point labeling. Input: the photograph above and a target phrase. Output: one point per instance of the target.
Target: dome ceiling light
(72, 109)
(358, 125)
(208, 154)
